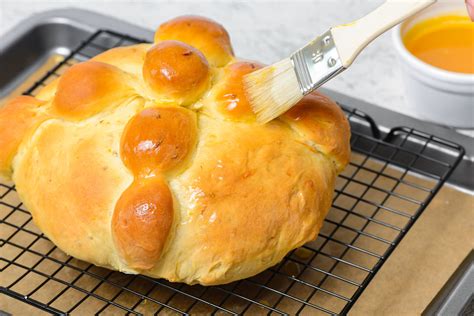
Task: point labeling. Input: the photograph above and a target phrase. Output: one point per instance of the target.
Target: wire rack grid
(389, 182)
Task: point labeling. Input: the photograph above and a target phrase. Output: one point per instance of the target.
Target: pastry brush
(276, 88)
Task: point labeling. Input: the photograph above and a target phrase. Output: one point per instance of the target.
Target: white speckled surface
(262, 30)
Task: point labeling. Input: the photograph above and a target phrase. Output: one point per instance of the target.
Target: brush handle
(351, 38)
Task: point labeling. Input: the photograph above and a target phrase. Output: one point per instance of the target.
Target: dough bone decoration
(148, 159)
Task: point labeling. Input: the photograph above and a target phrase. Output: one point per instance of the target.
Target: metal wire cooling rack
(389, 182)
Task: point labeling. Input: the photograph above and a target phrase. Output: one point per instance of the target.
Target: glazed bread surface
(148, 159)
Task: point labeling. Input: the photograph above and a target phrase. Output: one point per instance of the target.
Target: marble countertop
(266, 31)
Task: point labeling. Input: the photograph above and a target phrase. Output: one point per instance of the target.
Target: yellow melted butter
(446, 42)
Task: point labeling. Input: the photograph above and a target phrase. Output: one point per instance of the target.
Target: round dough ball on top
(177, 72)
(208, 36)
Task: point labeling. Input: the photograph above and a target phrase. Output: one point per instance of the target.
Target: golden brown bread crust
(142, 221)
(206, 35)
(129, 59)
(158, 139)
(323, 125)
(71, 183)
(176, 72)
(116, 172)
(229, 97)
(87, 89)
(18, 117)
(154, 141)
(248, 200)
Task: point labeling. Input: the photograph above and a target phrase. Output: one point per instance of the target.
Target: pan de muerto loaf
(148, 159)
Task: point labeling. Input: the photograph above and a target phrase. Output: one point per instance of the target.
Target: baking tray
(457, 295)
(393, 175)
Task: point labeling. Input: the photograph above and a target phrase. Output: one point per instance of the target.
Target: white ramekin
(433, 94)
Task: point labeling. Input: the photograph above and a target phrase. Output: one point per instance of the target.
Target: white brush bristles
(272, 90)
